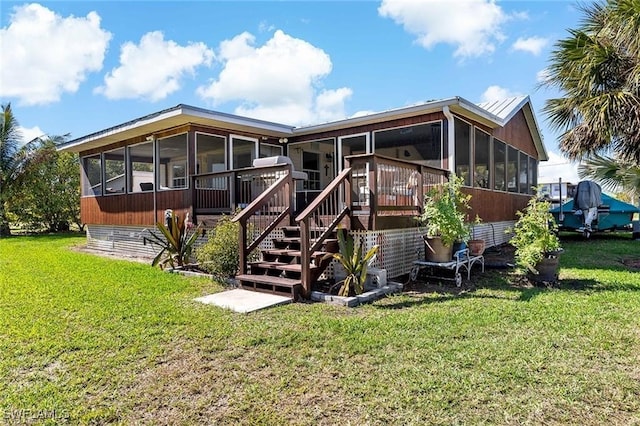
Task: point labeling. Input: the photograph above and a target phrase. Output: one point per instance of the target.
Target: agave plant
(176, 241)
(354, 262)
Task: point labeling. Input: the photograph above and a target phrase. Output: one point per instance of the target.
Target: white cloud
(30, 133)
(543, 75)
(45, 55)
(533, 45)
(557, 167)
(154, 68)
(473, 26)
(279, 81)
(497, 93)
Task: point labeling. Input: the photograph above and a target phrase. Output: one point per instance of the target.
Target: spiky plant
(355, 263)
(175, 240)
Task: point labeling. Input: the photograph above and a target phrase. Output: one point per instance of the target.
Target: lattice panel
(494, 233)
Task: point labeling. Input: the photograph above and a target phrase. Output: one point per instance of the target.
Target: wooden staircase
(279, 270)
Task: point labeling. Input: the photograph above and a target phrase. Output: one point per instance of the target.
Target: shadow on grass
(50, 236)
(502, 285)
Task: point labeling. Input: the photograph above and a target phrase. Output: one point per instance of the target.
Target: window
(524, 174)
(141, 167)
(512, 169)
(267, 150)
(421, 143)
(311, 165)
(243, 152)
(352, 145)
(211, 153)
(114, 172)
(172, 162)
(481, 164)
(499, 159)
(92, 175)
(462, 150)
(533, 173)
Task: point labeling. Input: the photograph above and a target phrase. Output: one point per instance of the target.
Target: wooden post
(305, 258)
(243, 247)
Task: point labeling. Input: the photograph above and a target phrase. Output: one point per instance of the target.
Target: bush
(220, 255)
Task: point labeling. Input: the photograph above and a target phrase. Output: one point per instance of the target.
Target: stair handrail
(306, 248)
(256, 205)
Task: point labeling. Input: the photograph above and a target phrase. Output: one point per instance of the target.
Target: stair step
(291, 253)
(297, 240)
(280, 266)
(263, 264)
(295, 267)
(269, 284)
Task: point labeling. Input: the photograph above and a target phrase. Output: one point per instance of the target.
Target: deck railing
(271, 208)
(223, 192)
(385, 186)
(320, 219)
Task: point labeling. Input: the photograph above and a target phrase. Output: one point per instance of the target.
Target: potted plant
(536, 242)
(476, 245)
(444, 214)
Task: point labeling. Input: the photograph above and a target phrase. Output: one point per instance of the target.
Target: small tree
(534, 234)
(49, 194)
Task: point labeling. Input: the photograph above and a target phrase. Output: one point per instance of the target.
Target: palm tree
(14, 158)
(613, 175)
(598, 70)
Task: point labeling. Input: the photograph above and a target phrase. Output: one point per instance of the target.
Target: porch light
(283, 140)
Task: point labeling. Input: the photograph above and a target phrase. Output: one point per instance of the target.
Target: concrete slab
(243, 301)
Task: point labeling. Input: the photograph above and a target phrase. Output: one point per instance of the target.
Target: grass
(90, 340)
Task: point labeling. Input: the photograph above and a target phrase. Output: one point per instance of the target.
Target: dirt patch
(632, 263)
(82, 248)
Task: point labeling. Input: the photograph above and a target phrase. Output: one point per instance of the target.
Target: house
(368, 173)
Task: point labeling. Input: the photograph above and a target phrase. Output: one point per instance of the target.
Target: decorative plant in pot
(476, 245)
(536, 242)
(444, 214)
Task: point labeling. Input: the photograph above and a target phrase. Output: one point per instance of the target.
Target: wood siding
(401, 122)
(516, 133)
(133, 209)
(493, 206)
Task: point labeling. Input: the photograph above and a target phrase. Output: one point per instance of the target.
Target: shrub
(220, 255)
(535, 234)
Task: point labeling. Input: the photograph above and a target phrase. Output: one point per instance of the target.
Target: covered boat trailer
(600, 213)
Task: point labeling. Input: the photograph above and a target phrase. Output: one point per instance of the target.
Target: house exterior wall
(138, 208)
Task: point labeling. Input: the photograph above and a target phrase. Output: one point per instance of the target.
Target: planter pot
(547, 269)
(476, 247)
(435, 251)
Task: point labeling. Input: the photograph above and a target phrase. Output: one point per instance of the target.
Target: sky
(77, 67)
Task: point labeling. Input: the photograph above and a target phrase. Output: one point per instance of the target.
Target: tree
(598, 70)
(14, 157)
(49, 193)
(613, 174)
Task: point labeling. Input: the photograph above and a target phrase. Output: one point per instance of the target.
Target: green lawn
(90, 340)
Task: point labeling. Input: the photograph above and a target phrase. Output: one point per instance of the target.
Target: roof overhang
(457, 104)
(174, 117)
(184, 114)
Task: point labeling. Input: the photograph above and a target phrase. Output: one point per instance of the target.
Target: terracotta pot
(476, 247)
(435, 251)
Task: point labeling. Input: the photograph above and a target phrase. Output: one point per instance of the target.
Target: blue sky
(78, 67)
